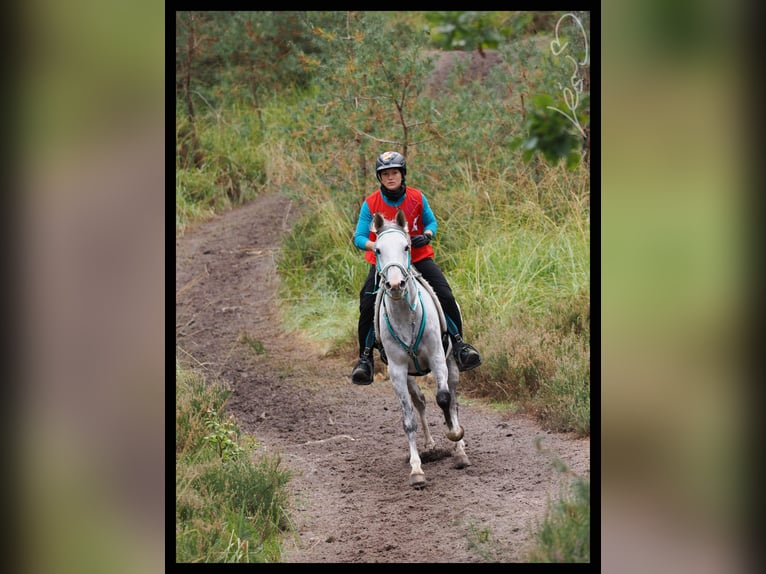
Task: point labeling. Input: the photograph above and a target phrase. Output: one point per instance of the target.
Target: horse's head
(392, 253)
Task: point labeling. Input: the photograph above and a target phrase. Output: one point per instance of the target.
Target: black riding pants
(431, 273)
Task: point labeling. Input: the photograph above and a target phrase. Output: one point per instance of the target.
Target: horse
(410, 325)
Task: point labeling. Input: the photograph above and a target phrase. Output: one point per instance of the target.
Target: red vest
(413, 211)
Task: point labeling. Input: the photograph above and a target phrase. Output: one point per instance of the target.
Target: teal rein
(412, 350)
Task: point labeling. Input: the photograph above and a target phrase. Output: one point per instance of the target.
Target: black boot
(364, 369)
(466, 356)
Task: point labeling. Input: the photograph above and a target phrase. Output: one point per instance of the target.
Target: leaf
(573, 160)
(531, 143)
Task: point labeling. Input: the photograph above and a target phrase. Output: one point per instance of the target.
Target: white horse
(410, 324)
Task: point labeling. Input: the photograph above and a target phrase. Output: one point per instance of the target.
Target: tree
(187, 143)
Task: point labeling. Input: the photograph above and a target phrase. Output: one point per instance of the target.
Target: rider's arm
(362, 234)
(429, 221)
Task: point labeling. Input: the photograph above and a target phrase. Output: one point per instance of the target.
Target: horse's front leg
(420, 405)
(398, 376)
(461, 458)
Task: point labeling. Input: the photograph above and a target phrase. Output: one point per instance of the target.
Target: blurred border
(89, 246)
(677, 472)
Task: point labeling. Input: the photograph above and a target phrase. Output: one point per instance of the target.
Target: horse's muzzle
(396, 293)
(396, 285)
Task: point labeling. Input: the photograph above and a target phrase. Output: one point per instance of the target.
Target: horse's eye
(377, 251)
(407, 248)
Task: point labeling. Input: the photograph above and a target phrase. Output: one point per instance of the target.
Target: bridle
(406, 271)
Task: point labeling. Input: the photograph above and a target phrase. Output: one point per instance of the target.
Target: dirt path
(345, 444)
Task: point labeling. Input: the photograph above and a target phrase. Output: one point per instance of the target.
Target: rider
(391, 169)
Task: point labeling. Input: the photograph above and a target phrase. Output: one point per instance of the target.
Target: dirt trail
(345, 444)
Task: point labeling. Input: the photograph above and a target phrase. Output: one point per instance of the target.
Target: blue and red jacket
(416, 210)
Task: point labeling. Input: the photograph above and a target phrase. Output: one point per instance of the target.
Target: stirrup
(472, 358)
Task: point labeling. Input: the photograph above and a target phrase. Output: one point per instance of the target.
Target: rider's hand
(421, 240)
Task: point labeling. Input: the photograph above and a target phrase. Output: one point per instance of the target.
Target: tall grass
(230, 502)
(563, 536)
(563, 533)
(523, 283)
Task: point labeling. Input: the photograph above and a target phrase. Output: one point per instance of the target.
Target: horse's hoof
(462, 462)
(417, 480)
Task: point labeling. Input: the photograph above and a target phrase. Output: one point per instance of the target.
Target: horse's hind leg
(419, 401)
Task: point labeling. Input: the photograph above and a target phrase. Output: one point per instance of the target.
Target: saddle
(446, 342)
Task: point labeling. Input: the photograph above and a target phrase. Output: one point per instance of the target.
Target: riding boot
(364, 369)
(466, 356)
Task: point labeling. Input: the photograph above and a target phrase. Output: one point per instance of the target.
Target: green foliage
(464, 30)
(563, 401)
(231, 54)
(252, 343)
(551, 133)
(229, 507)
(219, 162)
(564, 535)
(223, 435)
(367, 92)
(481, 542)
(557, 124)
(240, 502)
(194, 399)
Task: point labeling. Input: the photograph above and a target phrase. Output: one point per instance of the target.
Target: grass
(564, 534)
(231, 501)
(252, 343)
(479, 540)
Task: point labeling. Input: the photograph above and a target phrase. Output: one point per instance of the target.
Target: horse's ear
(377, 222)
(401, 220)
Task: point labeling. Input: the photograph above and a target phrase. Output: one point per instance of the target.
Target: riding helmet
(388, 160)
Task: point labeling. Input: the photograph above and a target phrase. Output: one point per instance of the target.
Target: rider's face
(391, 178)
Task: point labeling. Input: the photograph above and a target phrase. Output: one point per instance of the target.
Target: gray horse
(410, 325)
